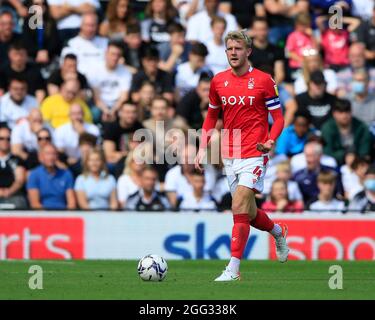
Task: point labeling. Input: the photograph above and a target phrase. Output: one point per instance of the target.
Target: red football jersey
(245, 102)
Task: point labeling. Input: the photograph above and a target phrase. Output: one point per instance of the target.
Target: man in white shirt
(111, 82)
(16, 103)
(199, 25)
(87, 46)
(67, 135)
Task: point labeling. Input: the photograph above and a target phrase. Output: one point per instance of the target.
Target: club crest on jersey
(226, 83)
(250, 84)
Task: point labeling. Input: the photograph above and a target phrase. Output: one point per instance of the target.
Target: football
(152, 268)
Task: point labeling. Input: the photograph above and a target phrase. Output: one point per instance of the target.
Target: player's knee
(240, 206)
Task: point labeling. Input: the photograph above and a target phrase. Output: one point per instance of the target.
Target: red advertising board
(41, 238)
(321, 239)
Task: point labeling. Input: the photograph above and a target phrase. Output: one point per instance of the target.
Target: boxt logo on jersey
(41, 238)
(178, 244)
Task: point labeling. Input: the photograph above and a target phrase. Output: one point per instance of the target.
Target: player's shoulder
(262, 75)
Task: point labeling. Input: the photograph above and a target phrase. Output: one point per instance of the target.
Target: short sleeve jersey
(245, 101)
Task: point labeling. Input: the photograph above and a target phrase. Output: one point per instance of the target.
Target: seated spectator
(110, 82)
(279, 200)
(49, 187)
(117, 134)
(87, 46)
(298, 161)
(69, 15)
(188, 73)
(193, 105)
(12, 175)
(67, 135)
(293, 138)
(325, 200)
(357, 60)
(353, 175)
(300, 40)
(159, 15)
(177, 179)
(134, 47)
(42, 42)
(364, 201)
(216, 60)
(147, 93)
(95, 188)
(284, 173)
(117, 19)
(161, 80)
(197, 199)
(16, 104)
(147, 198)
(199, 25)
(174, 52)
(312, 61)
(316, 101)
(265, 53)
(221, 191)
(7, 34)
(55, 109)
(307, 177)
(19, 67)
(67, 71)
(363, 102)
(345, 133)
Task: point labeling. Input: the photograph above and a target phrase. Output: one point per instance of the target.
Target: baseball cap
(317, 77)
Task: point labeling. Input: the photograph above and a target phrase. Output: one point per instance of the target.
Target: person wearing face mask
(363, 102)
(364, 201)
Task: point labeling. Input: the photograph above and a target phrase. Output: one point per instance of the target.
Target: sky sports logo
(41, 238)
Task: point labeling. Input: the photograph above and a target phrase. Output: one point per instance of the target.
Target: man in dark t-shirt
(7, 35)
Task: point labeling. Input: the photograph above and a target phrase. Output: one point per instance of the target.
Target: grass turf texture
(187, 280)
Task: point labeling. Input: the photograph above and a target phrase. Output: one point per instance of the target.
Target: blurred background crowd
(75, 88)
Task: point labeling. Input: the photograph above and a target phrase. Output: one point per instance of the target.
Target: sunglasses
(44, 138)
(4, 138)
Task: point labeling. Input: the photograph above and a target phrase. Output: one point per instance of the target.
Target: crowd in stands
(76, 88)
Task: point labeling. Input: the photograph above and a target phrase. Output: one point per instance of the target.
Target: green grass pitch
(187, 280)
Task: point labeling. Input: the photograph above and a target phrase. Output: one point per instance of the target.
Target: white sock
(276, 231)
(234, 264)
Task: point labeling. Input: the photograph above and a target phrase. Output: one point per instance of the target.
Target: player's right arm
(209, 124)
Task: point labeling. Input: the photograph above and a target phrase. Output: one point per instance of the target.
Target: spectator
(147, 198)
(279, 200)
(325, 200)
(110, 82)
(12, 175)
(134, 47)
(174, 52)
(193, 105)
(159, 15)
(69, 15)
(118, 17)
(42, 42)
(48, 186)
(87, 46)
(55, 108)
(67, 71)
(364, 201)
(307, 177)
(95, 188)
(117, 134)
(67, 135)
(284, 173)
(316, 101)
(7, 35)
(19, 67)
(344, 133)
(147, 93)
(264, 53)
(188, 73)
(161, 80)
(357, 60)
(300, 40)
(16, 104)
(198, 199)
(312, 61)
(363, 102)
(353, 175)
(216, 59)
(199, 25)
(293, 138)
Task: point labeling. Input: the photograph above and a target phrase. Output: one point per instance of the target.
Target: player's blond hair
(239, 36)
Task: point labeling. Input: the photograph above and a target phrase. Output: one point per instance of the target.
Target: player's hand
(265, 147)
(199, 159)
